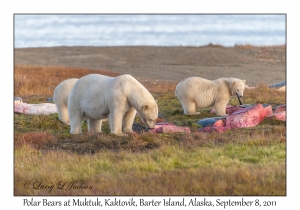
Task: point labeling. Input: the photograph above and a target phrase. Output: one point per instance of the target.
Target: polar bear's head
(149, 114)
(237, 86)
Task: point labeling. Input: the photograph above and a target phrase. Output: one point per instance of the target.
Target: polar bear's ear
(244, 81)
(145, 107)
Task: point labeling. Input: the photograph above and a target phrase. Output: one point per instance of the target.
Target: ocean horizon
(47, 30)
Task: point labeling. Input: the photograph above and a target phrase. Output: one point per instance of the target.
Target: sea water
(148, 30)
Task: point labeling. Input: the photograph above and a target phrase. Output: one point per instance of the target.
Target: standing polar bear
(60, 98)
(98, 97)
(196, 92)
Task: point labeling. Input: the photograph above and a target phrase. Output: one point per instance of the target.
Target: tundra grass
(48, 160)
(170, 170)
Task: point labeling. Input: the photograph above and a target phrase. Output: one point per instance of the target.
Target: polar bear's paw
(120, 134)
(128, 131)
(193, 113)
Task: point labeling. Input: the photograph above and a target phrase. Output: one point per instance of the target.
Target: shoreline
(183, 46)
(255, 64)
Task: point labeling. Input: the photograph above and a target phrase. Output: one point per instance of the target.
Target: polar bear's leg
(221, 109)
(189, 108)
(128, 120)
(63, 114)
(94, 126)
(115, 122)
(76, 122)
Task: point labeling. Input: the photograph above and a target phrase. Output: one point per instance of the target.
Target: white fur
(196, 92)
(97, 97)
(60, 98)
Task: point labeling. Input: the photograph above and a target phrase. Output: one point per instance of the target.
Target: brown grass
(37, 80)
(36, 139)
(264, 95)
(40, 81)
(91, 144)
(158, 86)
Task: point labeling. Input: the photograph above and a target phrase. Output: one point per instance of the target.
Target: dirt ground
(257, 65)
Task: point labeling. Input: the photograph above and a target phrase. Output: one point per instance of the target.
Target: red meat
(280, 108)
(220, 123)
(247, 117)
(279, 116)
(233, 109)
(268, 110)
(166, 127)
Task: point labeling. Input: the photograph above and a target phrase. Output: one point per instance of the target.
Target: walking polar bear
(196, 92)
(60, 98)
(98, 97)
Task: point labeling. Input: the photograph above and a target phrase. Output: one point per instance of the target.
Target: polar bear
(60, 98)
(97, 97)
(196, 92)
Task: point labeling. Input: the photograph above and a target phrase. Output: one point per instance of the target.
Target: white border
(9, 8)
